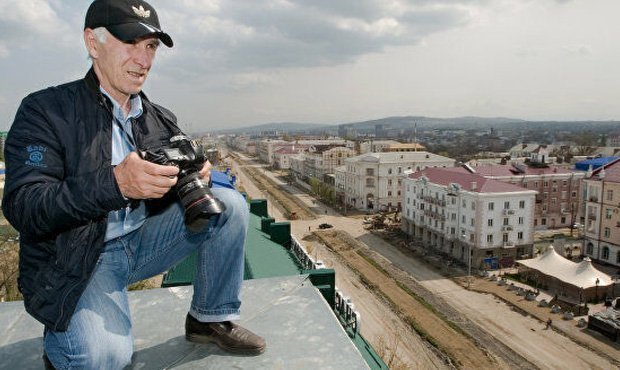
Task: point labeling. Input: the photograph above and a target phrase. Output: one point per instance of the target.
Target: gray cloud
(246, 35)
(33, 23)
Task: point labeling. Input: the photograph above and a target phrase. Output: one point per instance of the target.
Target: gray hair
(101, 33)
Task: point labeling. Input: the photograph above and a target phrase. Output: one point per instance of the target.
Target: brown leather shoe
(227, 335)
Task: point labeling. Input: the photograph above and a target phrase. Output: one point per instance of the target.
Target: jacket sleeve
(40, 198)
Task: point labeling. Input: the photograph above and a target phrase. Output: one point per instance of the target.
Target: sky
(239, 63)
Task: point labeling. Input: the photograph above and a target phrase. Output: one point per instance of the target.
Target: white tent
(582, 275)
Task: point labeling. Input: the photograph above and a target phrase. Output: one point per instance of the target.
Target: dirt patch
(458, 347)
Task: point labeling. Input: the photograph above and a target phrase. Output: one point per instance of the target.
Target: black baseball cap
(127, 20)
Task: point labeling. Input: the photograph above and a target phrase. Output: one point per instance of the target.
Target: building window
(521, 204)
(610, 195)
(464, 204)
(389, 182)
(491, 206)
(389, 193)
(545, 184)
(473, 206)
(554, 201)
(489, 238)
(543, 221)
(520, 235)
(505, 238)
(398, 193)
(472, 222)
(463, 219)
(590, 249)
(564, 194)
(389, 171)
(370, 183)
(607, 232)
(563, 220)
(605, 254)
(608, 213)
(520, 220)
(370, 172)
(506, 205)
(505, 221)
(573, 194)
(400, 170)
(618, 257)
(490, 222)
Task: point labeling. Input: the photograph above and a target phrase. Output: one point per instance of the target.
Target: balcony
(506, 228)
(593, 199)
(508, 212)
(592, 216)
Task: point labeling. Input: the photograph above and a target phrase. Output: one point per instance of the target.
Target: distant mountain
(425, 123)
(287, 127)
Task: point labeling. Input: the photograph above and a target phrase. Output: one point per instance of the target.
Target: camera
(194, 193)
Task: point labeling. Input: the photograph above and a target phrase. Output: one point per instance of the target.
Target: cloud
(24, 23)
(578, 50)
(249, 35)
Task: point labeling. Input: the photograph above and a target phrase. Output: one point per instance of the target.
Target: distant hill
(425, 123)
(280, 127)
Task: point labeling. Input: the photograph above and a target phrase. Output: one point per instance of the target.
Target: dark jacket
(60, 187)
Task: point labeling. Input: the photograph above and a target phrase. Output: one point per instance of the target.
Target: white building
(373, 181)
(456, 212)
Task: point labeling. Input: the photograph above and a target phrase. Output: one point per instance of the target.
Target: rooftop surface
(300, 329)
(446, 176)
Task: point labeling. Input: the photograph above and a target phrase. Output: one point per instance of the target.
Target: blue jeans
(99, 334)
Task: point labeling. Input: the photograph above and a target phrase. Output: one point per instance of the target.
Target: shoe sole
(239, 351)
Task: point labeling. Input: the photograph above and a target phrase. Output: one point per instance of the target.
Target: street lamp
(597, 282)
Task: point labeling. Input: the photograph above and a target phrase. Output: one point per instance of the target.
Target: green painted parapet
(265, 224)
(281, 233)
(325, 281)
(259, 207)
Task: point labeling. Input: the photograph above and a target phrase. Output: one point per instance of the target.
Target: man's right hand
(140, 179)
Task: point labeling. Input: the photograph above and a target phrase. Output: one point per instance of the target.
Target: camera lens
(198, 201)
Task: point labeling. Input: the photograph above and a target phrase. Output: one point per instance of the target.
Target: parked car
(325, 226)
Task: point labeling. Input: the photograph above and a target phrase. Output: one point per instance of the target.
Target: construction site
(415, 307)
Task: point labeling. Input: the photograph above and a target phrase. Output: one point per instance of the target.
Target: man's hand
(205, 171)
(140, 179)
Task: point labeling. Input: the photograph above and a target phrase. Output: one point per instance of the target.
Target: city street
(523, 334)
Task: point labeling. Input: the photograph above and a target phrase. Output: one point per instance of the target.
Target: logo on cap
(141, 12)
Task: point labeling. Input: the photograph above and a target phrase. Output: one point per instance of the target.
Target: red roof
(509, 170)
(446, 176)
(612, 172)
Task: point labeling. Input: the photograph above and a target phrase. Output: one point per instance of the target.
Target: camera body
(194, 193)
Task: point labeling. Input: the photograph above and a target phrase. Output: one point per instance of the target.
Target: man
(94, 217)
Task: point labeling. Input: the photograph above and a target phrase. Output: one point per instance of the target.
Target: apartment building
(319, 160)
(559, 195)
(602, 216)
(373, 181)
(467, 215)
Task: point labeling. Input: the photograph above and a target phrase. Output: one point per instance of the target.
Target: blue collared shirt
(124, 220)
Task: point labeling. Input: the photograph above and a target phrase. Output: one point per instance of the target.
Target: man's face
(122, 67)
